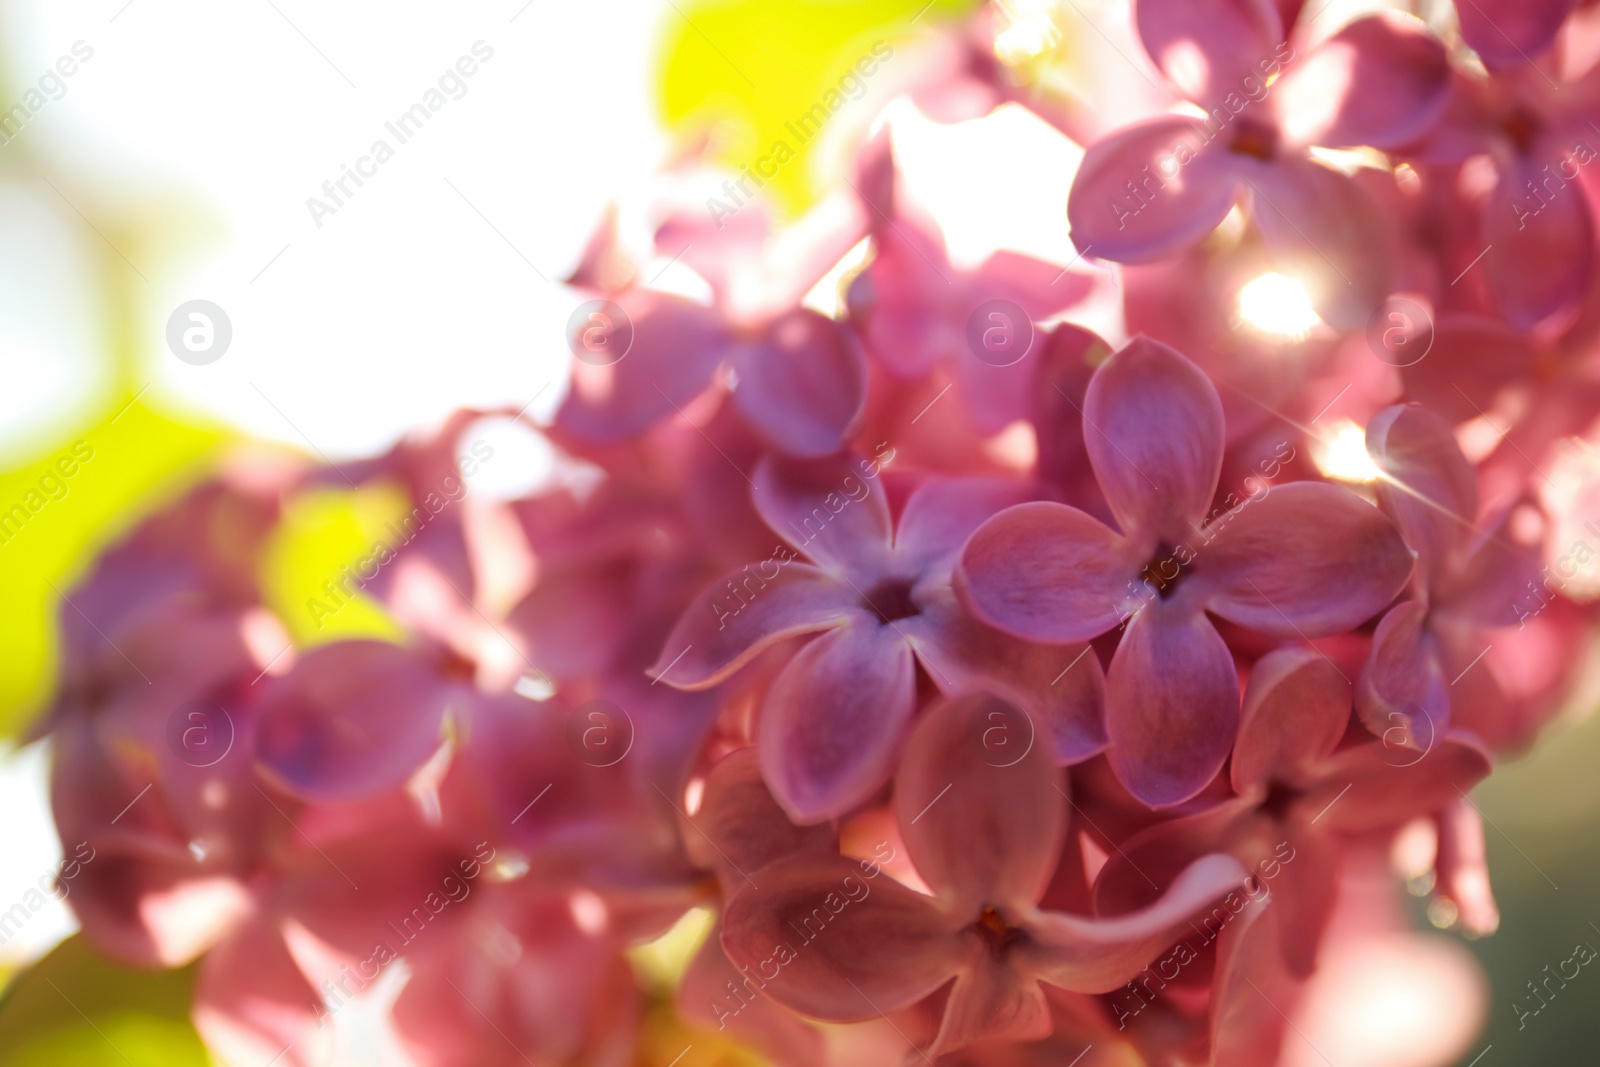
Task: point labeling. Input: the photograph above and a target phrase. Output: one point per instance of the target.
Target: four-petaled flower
(1303, 560)
(985, 838)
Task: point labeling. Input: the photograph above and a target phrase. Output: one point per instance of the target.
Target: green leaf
(311, 571)
(752, 66)
(76, 1008)
(52, 524)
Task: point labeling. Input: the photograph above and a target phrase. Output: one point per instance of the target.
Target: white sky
(195, 134)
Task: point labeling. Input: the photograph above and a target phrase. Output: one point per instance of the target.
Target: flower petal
(994, 839)
(1384, 794)
(1492, 579)
(1096, 955)
(532, 986)
(590, 818)
(745, 826)
(1541, 260)
(832, 722)
(833, 510)
(833, 943)
(251, 1002)
(1329, 232)
(1061, 687)
(1136, 872)
(1430, 488)
(1383, 81)
(382, 860)
(703, 1001)
(676, 347)
(941, 514)
(1296, 709)
(1472, 358)
(1245, 1026)
(746, 612)
(152, 909)
(991, 1002)
(1153, 429)
(570, 619)
(1066, 364)
(1305, 895)
(1172, 704)
(352, 719)
(141, 896)
(1401, 695)
(801, 384)
(1463, 867)
(1506, 33)
(1173, 204)
(1304, 560)
(1045, 572)
(889, 301)
(996, 394)
(1207, 48)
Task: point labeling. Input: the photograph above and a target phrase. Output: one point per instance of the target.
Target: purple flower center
(891, 599)
(1522, 127)
(456, 666)
(1164, 570)
(1280, 798)
(996, 933)
(1252, 138)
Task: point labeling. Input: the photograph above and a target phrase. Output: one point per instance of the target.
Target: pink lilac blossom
(1150, 190)
(1087, 715)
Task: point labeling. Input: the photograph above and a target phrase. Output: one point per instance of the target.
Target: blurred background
(205, 152)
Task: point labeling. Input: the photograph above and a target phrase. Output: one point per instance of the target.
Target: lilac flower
(1303, 560)
(874, 599)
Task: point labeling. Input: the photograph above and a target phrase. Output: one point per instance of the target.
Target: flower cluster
(997, 691)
